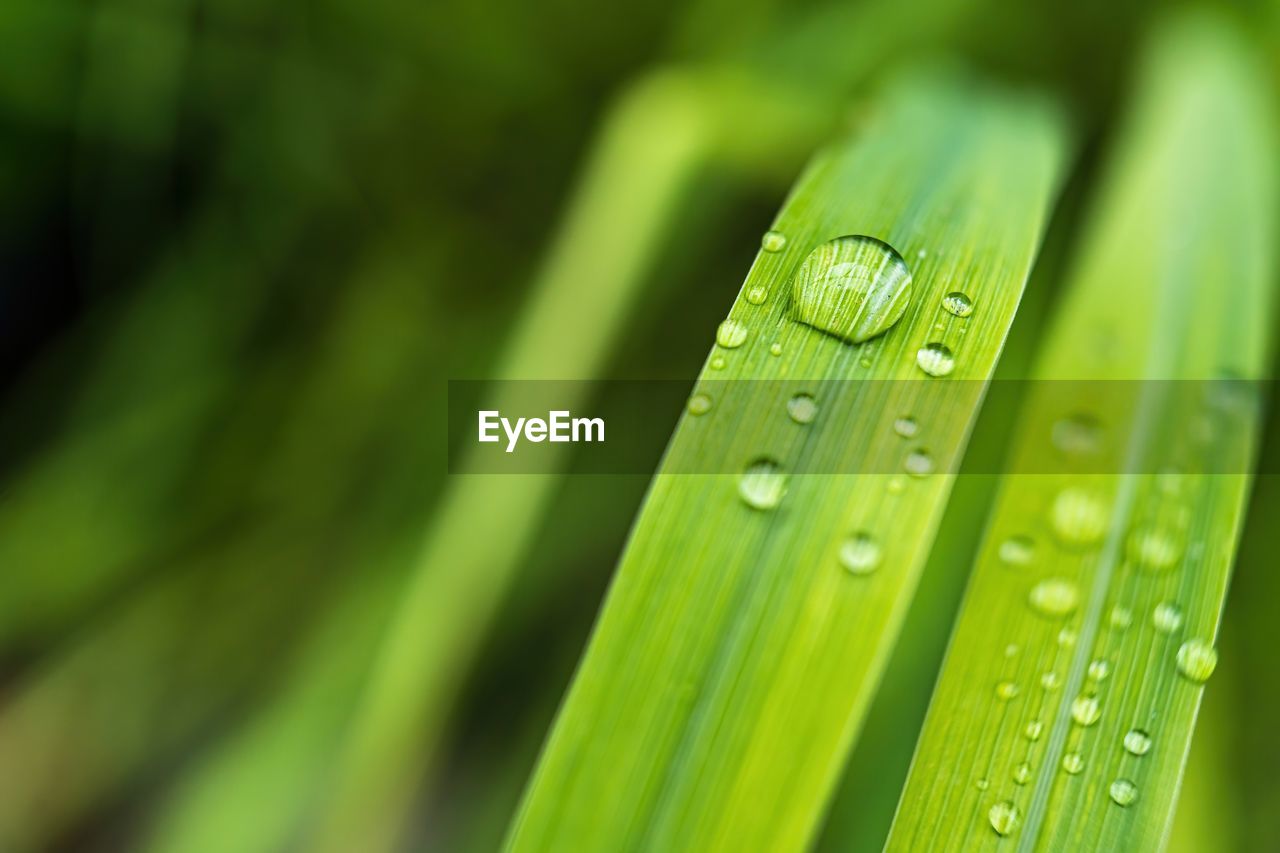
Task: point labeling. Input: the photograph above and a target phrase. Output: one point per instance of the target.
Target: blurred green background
(243, 246)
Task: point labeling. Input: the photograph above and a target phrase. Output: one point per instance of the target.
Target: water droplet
(1073, 762)
(906, 427)
(1197, 660)
(699, 404)
(958, 303)
(1085, 710)
(1166, 617)
(1054, 597)
(1121, 617)
(1077, 435)
(1123, 792)
(982, 784)
(757, 295)
(1067, 637)
(1033, 730)
(852, 287)
(717, 363)
(1022, 773)
(763, 484)
(775, 348)
(1137, 742)
(1017, 550)
(1011, 650)
(1004, 817)
(802, 408)
(860, 554)
(865, 362)
(773, 241)
(1154, 548)
(1079, 516)
(918, 463)
(731, 334)
(1099, 670)
(1050, 681)
(1006, 690)
(936, 359)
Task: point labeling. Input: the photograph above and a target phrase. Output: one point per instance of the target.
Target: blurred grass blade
(1065, 708)
(726, 620)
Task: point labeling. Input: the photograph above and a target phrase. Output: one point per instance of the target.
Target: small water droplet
(1017, 551)
(775, 348)
(1079, 517)
(1077, 435)
(773, 241)
(958, 303)
(1099, 670)
(717, 363)
(1006, 690)
(1154, 548)
(860, 554)
(936, 359)
(1073, 762)
(922, 254)
(1121, 617)
(1085, 710)
(731, 334)
(1137, 742)
(906, 427)
(763, 484)
(1197, 660)
(1050, 681)
(1054, 597)
(865, 362)
(1123, 792)
(1166, 617)
(918, 463)
(699, 404)
(1004, 817)
(1011, 650)
(1067, 637)
(1022, 773)
(1033, 730)
(852, 287)
(982, 784)
(757, 295)
(802, 408)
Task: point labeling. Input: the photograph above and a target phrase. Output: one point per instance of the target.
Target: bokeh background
(243, 245)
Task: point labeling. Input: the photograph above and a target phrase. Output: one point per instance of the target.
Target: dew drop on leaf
(860, 554)
(731, 334)
(1004, 817)
(773, 241)
(958, 304)
(802, 408)
(763, 484)
(1197, 660)
(936, 359)
(854, 288)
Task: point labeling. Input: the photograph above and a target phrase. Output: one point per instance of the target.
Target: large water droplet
(1166, 617)
(958, 303)
(802, 408)
(1054, 597)
(1079, 517)
(936, 359)
(1137, 742)
(699, 404)
(731, 334)
(1197, 660)
(1073, 762)
(1085, 710)
(1017, 551)
(763, 484)
(1123, 792)
(852, 287)
(860, 554)
(1004, 817)
(773, 241)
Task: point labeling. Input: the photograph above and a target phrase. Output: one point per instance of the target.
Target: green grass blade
(733, 651)
(1058, 657)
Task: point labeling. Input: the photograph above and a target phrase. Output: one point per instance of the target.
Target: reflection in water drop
(854, 288)
(936, 359)
(763, 484)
